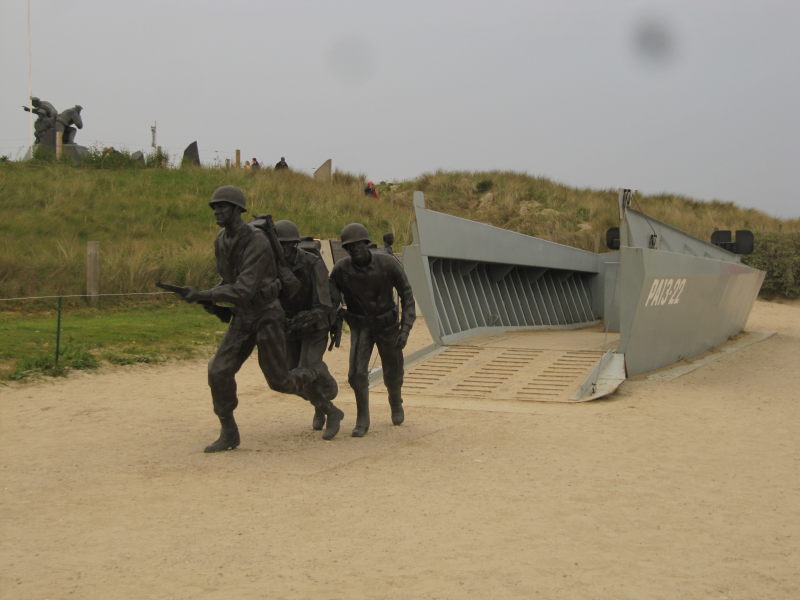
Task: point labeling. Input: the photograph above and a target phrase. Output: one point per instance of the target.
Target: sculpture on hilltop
(49, 121)
(46, 115)
(65, 122)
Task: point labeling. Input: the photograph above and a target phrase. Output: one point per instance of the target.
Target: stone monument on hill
(191, 156)
(325, 172)
(49, 122)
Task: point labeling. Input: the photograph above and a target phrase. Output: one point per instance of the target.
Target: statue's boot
(396, 404)
(319, 418)
(362, 416)
(228, 435)
(334, 418)
(325, 389)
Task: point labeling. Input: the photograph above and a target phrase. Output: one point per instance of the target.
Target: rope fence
(60, 307)
(86, 296)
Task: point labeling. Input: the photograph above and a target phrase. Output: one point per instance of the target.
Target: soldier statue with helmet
(68, 122)
(309, 314)
(366, 281)
(248, 269)
(45, 123)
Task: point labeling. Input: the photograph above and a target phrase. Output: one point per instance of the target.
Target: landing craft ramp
(515, 318)
(523, 366)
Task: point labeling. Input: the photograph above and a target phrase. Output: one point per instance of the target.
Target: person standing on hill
(281, 164)
(249, 281)
(366, 281)
(371, 190)
(255, 165)
(309, 315)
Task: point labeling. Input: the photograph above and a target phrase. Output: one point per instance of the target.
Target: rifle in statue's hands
(223, 313)
(336, 330)
(290, 284)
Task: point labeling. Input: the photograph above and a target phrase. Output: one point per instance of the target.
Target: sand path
(683, 489)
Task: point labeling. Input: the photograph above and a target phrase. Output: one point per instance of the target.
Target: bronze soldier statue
(309, 314)
(46, 115)
(249, 281)
(367, 280)
(65, 122)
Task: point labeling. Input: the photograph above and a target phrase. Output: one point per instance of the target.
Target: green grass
(148, 333)
(152, 223)
(155, 224)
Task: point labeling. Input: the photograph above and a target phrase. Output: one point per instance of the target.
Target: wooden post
(92, 272)
(59, 144)
(238, 159)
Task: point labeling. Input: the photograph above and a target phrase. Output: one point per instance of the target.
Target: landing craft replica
(514, 317)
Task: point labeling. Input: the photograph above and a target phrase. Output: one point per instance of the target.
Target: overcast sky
(693, 97)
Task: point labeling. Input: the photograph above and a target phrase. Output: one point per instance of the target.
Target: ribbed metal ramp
(520, 366)
(470, 294)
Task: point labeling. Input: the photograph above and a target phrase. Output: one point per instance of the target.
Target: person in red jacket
(371, 190)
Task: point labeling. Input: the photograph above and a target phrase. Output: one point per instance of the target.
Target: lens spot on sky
(351, 60)
(654, 41)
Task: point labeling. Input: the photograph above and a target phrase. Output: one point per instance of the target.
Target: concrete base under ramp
(512, 367)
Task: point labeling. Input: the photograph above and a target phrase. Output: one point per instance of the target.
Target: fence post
(59, 144)
(58, 330)
(238, 159)
(92, 272)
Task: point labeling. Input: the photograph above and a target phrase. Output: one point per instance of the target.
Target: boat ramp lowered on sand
(518, 318)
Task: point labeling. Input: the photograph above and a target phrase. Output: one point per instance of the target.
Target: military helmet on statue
(354, 232)
(287, 231)
(231, 194)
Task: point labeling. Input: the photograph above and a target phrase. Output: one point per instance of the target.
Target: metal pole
(30, 80)
(58, 330)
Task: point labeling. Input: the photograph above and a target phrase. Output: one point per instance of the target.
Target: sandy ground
(682, 489)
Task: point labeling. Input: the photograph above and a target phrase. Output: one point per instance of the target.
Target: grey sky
(690, 97)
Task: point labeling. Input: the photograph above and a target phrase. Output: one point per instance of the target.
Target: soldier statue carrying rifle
(250, 281)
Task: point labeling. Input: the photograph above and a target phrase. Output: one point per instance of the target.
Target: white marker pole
(30, 90)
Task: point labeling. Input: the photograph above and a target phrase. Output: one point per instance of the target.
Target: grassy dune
(155, 223)
(150, 223)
